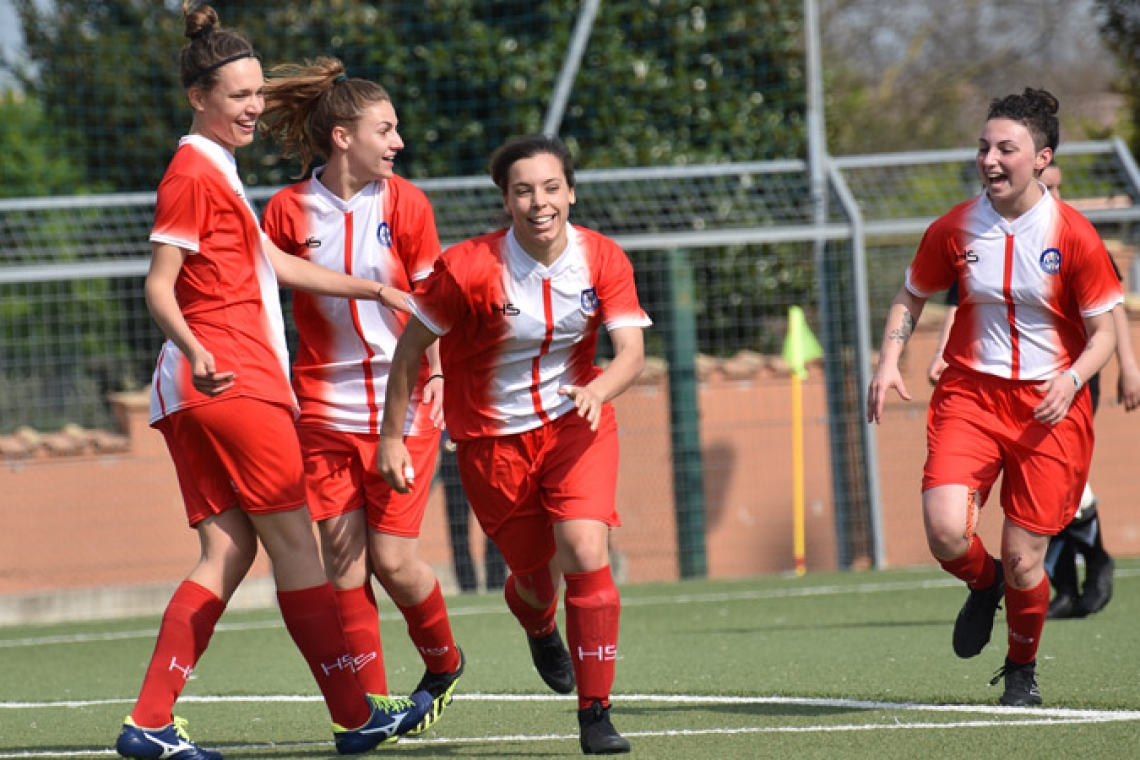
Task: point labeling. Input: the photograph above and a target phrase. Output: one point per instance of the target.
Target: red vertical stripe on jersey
(158, 381)
(354, 310)
(536, 365)
(1011, 312)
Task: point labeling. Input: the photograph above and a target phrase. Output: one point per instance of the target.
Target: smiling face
(371, 143)
(228, 112)
(1008, 164)
(538, 198)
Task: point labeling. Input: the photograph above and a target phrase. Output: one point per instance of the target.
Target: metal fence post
(688, 469)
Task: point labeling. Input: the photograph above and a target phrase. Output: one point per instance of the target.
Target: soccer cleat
(390, 719)
(552, 661)
(1097, 590)
(440, 686)
(1020, 684)
(169, 743)
(975, 621)
(598, 735)
(1063, 606)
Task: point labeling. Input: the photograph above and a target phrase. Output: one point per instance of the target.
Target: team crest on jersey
(1051, 261)
(384, 235)
(590, 301)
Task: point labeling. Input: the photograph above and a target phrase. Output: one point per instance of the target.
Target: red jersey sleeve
(616, 288)
(413, 228)
(179, 210)
(1092, 279)
(282, 222)
(940, 255)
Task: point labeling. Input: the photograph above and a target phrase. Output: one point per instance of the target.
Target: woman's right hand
(205, 377)
(887, 376)
(395, 464)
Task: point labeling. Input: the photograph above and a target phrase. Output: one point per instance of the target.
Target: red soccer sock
(187, 626)
(430, 630)
(1025, 611)
(311, 618)
(976, 567)
(361, 621)
(593, 609)
(535, 622)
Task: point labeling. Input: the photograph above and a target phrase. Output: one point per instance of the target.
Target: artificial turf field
(844, 665)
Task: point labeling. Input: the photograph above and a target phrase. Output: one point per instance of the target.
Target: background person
(1037, 291)
(518, 313)
(356, 216)
(458, 529)
(222, 401)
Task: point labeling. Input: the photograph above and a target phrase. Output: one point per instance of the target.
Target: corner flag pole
(800, 347)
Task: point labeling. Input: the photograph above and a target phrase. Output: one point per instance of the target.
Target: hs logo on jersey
(1051, 261)
(384, 235)
(969, 257)
(312, 242)
(506, 309)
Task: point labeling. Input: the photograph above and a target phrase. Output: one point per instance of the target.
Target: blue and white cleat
(169, 743)
(390, 719)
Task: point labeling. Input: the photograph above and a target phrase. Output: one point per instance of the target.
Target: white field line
(989, 717)
(501, 609)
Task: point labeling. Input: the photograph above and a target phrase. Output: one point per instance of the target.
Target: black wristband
(433, 377)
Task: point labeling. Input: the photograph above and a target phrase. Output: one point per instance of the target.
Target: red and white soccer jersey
(1024, 286)
(226, 289)
(515, 331)
(385, 233)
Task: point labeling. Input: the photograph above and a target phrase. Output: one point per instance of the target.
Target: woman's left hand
(1059, 393)
(588, 402)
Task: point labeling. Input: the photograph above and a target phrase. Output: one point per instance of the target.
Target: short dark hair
(1036, 110)
(529, 146)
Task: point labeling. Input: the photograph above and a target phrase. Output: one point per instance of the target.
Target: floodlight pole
(573, 61)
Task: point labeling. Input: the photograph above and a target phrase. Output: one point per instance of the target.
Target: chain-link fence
(722, 247)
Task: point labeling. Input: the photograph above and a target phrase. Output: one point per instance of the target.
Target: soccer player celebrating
(222, 401)
(356, 216)
(1034, 321)
(517, 313)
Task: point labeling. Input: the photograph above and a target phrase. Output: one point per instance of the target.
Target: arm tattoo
(902, 333)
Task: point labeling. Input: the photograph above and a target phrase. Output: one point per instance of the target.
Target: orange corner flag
(800, 345)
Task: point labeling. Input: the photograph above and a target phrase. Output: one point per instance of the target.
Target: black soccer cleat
(598, 735)
(1097, 589)
(440, 686)
(552, 661)
(1020, 684)
(975, 623)
(1064, 605)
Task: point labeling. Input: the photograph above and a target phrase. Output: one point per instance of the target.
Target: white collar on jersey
(368, 192)
(219, 155)
(520, 253)
(1044, 205)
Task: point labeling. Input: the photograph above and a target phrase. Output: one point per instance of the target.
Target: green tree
(34, 160)
(667, 82)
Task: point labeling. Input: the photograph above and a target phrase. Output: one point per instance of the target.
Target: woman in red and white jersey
(354, 215)
(517, 313)
(221, 399)
(1036, 293)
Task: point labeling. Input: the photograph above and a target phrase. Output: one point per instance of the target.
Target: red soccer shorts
(520, 485)
(341, 476)
(979, 426)
(235, 452)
